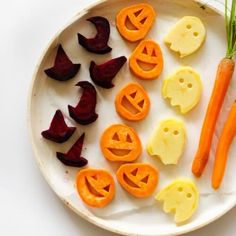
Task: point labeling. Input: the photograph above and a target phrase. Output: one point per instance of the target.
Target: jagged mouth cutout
(127, 104)
(128, 23)
(131, 183)
(93, 190)
(119, 151)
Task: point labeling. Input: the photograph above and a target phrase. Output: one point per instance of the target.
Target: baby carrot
(225, 141)
(223, 77)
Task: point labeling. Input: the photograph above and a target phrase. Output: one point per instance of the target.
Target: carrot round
(223, 77)
(225, 141)
(96, 187)
(138, 179)
(120, 143)
(135, 21)
(132, 102)
(146, 61)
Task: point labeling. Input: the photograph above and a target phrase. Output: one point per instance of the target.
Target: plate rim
(102, 223)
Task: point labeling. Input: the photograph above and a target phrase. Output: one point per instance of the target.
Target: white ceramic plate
(126, 215)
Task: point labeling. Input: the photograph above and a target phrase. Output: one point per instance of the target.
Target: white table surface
(27, 204)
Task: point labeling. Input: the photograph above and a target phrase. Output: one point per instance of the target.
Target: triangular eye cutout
(141, 103)
(145, 179)
(134, 172)
(116, 137)
(143, 20)
(107, 188)
(133, 95)
(95, 177)
(145, 51)
(154, 53)
(128, 139)
(137, 13)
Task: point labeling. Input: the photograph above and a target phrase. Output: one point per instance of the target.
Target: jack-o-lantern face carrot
(139, 179)
(132, 102)
(120, 143)
(135, 21)
(146, 62)
(95, 187)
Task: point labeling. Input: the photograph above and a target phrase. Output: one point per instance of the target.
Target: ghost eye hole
(195, 34)
(181, 80)
(190, 85)
(188, 26)
(166, 130)
(180, 189)
(189, 195)
(176, 132)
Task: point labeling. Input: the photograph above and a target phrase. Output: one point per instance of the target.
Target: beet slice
(98, 44)
(102, 75)
(72, 157)
(63, 68)
(84, 113)
(58, 131)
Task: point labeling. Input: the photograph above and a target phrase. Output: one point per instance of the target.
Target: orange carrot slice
(132, 102)
(135, 21)
(139, 179)
(225, 141)
(120, 143)
(95, 187)
(146, 62)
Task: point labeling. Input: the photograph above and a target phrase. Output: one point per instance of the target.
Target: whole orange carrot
(223, 77)
(225, 140)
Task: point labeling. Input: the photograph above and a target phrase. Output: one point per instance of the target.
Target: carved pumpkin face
(146, 62)
(132, 102)
(139, 179)
(95, 187)
(135, 21)
(120, 143)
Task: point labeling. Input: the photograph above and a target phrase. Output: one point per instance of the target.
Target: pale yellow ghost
(186, 36)
(180, 197)
(183, 88)
(168, 141)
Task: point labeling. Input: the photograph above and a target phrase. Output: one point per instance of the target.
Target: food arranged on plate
(96, 187)
(146, 61)
(138, 179)
(73, 156)
(98, 44)
(132, 102)
(134, 22)
(186, 36)
(183, 89)
(224, 75)
(181, 198)
(103, 74)
(63, 68)
(58, 131)
(120, 143)
(84, 113)
(168, 141)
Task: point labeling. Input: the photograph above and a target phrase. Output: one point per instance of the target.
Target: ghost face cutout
(183, 89)
(180, 197)
(168, 141)
(186, 36)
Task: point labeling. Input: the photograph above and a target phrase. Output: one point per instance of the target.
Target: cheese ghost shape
(180, 197)
(168, 141)
(183, 88)
(186, 36)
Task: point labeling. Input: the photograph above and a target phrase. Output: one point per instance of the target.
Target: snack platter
(111, 135)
